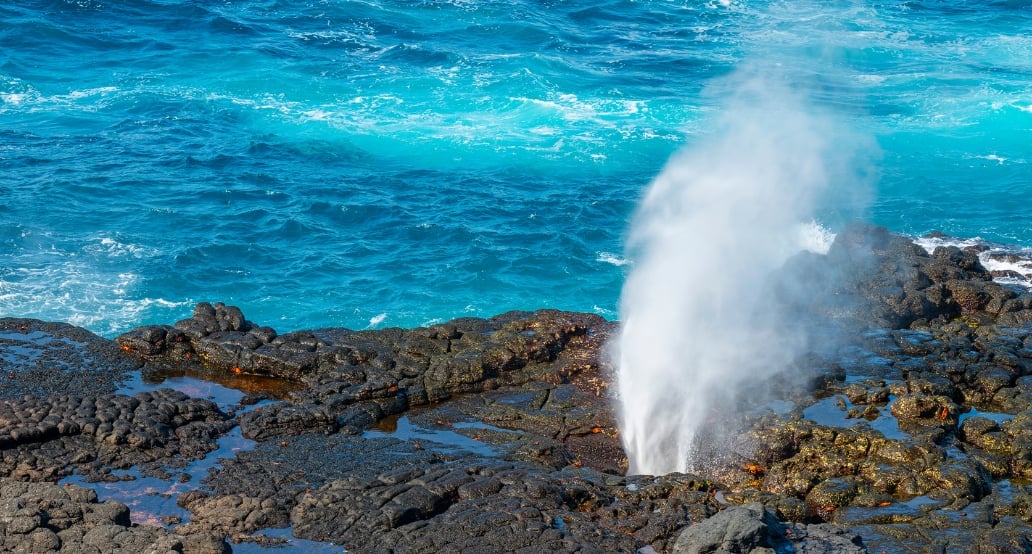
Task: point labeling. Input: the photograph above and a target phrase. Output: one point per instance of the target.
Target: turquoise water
(403, 162)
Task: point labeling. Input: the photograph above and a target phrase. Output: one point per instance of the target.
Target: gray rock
(737, 530)
(752, 529)
(823, 538)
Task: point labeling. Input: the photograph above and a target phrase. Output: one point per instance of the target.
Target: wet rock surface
(907, 427)
(41, 358)
(49, 437)
(44, 517)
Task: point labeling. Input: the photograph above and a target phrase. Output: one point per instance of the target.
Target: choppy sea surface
(402, 162)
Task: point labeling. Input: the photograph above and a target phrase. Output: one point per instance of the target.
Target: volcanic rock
(752, 529)
(43, 517)
(909, 424)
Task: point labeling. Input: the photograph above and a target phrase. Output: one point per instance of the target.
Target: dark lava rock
(355, 378)
(376, 494)
(920, 412)
(42, 358)
(49, 437)
(499, 434)
(499, 508)
(874, 278)
(43, 517)
(736, 529)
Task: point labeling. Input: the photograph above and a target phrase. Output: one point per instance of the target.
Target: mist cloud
(698, 322)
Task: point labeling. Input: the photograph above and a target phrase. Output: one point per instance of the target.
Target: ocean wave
(413, 158)
(70, 289)
(376, 320)
(113, 248)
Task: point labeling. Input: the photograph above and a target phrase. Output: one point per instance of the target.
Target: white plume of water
(697, 321)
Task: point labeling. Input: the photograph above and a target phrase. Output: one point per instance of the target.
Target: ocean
(398, 163)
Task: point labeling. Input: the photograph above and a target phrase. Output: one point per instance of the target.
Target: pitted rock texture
(47, 438)
(422, 365)
(43, 517)
(875, 278)
(752, 529)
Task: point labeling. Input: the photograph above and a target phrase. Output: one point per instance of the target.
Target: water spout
(699, 324)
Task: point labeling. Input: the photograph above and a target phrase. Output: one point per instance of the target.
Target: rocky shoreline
(907, 427)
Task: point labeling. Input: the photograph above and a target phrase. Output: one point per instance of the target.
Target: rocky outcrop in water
(872, 278)
(906, 427)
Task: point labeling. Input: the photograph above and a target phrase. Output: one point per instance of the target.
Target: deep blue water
(375, 163)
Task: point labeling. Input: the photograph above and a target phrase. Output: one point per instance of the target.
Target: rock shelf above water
(370, 448)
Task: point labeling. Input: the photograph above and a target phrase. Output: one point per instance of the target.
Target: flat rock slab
(42, 358)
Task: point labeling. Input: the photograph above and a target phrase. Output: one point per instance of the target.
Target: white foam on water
(931, 243)
(86, 93)
(994, 258)
(113, 248)
(111, 317)
(1021, 265)
(15, 93)
(610, 258)
(92, 287)
(871, 79)
(376, 320)
(84, 100)
(13, 98)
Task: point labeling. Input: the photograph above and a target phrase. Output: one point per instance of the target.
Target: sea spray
(699, 324)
